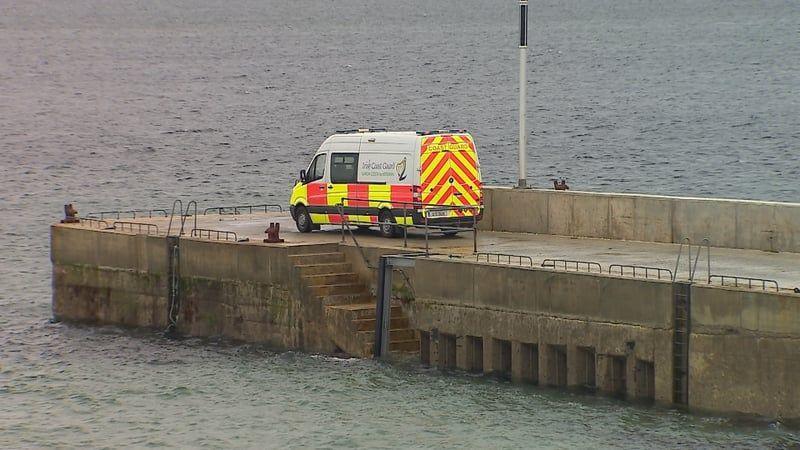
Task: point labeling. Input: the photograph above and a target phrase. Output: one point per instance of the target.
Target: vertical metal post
(405, 227)
(474, 232)
(426, 234)
(523, 47)
(383, 309)
(341, 217)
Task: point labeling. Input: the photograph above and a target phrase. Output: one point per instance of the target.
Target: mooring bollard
(273, 233)
(70, 214)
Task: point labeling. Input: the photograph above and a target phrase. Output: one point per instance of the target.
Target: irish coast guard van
(385, 178)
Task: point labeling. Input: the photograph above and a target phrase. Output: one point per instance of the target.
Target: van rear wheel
(387, 227)
(303, 220)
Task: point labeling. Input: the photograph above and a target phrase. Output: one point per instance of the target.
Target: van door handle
(330, 186)
(321, 187)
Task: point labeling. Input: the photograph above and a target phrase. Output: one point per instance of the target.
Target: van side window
(344, 167)
(317, 169)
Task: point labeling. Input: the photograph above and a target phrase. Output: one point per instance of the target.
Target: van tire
(303, 220)
(385, 221)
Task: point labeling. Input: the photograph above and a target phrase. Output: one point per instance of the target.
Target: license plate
(434, 213)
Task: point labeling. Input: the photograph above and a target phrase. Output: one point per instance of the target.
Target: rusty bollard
(273, 233)
(70, 214)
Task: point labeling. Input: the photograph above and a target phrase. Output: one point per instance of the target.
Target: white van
(384, 178)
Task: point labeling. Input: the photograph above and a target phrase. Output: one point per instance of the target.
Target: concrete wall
(565, 317)
(245, 292)
(743, 224)
(744, 351)
(102, 277)
(248, 292)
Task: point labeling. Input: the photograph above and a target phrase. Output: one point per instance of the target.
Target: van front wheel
(387, 227)
(303, 220)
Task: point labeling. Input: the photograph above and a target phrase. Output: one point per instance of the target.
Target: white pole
(523, 47)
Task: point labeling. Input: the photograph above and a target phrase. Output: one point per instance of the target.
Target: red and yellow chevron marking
(449, 171)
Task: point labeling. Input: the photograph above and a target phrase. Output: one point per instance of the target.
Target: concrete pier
(694, 344)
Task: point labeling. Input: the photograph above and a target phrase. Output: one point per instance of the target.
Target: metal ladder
(682, 320)
(680, 342)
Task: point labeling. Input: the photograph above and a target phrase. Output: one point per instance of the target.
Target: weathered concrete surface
(244, 291)
(770, 226)
(782, 267)
(624, 318)
(109, 278)
(745, 351)
(530, 324)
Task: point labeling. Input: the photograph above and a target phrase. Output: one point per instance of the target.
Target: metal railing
(183, 215)
(568, 264)
(409, 209)
(136, 227)
(133, 212)
(346, 224)
(219, 235)
(95, 223)
(749, 280)
(235, 210)
(504, 258)
(687, 242)
(636, 271)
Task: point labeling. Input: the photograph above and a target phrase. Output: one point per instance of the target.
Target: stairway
(349, 307)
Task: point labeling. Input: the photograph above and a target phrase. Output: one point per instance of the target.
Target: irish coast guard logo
(401, 169)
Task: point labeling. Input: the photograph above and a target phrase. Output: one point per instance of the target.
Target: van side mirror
(303, 175)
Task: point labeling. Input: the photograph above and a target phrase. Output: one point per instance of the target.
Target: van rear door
(449, 173)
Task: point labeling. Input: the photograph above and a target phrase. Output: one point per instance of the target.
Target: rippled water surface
(119, 104)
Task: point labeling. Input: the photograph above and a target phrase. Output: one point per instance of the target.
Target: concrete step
(395, 335)
(324, 268)
(324, 290)
(367, 311)
(317, 258)
(313, 248)
(404, 346)
(369, 323)
(347, 299)
(331, 278)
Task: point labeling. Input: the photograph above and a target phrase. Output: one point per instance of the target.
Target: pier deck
(781, 267)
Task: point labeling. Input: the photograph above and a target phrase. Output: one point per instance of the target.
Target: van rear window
(344, 167)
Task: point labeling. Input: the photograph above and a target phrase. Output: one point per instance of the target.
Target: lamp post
(523, 50)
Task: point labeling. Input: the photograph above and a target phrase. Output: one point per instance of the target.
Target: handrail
(179, 204)
(634, 268)
(750, 280)
(221, 209)
(346, 223)
(148, 227)
(686, 241)
(707, 243)
(183, 218)
(416, 206)
(119, 213)
(567, 263)
(412, 203)
(503, 256)
(98, 223)
(199, 232)
(183, 215)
